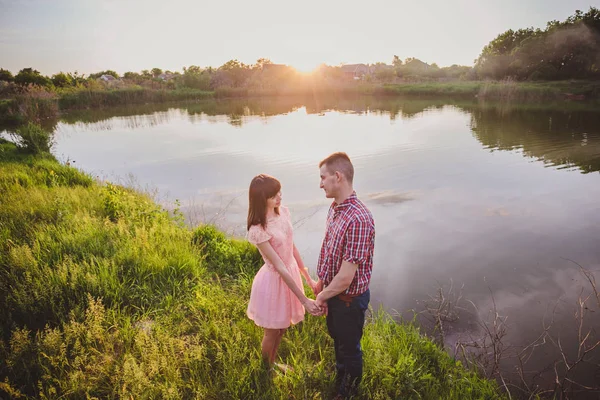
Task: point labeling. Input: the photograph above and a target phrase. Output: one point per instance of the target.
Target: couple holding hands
(344, 268)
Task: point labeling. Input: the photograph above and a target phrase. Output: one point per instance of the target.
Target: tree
(262, 62)
(156, 72)
(77, 78)
(232, 73)
(564, 50)
(131, 75)
(197, 78)
(232, 65)
(107, 72)
(6, 75)
(62, 80)
(396, 62)
(31, 76)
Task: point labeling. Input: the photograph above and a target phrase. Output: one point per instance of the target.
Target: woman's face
(275, 201)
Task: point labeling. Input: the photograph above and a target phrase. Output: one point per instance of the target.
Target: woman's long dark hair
(262, 188)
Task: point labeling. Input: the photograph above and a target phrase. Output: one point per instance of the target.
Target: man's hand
(318, 287)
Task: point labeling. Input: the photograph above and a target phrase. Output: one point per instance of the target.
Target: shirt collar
(344, 204)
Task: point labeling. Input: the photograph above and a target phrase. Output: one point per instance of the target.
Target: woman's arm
(303, 270)
(268, 251)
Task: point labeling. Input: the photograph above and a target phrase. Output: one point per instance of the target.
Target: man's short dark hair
(339, 162)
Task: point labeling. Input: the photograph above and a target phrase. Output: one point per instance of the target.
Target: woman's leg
(277, 343)
(270, 340)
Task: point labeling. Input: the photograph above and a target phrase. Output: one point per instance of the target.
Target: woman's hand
(312, 284)
(317, 287)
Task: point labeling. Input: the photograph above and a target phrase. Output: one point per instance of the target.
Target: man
(344, 269)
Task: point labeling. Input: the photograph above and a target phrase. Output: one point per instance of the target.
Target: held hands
(314, 309)
(322, 303)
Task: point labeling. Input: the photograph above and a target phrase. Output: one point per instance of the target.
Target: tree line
(563, 50)
(568, 49)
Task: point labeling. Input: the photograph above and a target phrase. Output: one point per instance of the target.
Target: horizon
(89, 37)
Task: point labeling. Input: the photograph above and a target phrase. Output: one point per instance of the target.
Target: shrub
(33, 139)
(225, 256)
(34, 104)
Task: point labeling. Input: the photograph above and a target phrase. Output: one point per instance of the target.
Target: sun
(305, 67)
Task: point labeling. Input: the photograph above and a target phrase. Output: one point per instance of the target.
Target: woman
(277, 299)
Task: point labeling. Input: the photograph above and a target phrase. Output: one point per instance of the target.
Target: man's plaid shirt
(350, 236)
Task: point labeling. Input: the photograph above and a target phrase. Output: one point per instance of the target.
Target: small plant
(112, 203)
(34, 139)
(226, 256)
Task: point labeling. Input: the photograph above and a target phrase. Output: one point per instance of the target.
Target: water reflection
(559, 136)
(236, 112)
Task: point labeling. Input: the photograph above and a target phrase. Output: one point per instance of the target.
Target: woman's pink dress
(272, 304)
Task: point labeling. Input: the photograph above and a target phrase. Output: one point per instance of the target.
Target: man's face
(328, 182)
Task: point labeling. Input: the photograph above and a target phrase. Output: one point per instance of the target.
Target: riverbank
(504, 90)
(24, 107)
(104, 294)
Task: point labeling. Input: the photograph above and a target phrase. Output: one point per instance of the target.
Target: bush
(34, 104)
(225, 256)
(33, 139)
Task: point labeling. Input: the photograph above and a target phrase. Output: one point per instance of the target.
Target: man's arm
(341, 281)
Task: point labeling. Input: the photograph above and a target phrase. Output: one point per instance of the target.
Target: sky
(131, 35)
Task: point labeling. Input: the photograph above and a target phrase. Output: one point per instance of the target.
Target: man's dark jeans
(345, 321)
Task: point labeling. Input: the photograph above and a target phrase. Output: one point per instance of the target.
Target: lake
(501, 200)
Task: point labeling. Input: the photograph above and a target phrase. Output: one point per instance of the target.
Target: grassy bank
(509, 90)
(103, 294)
(117, 97)
(503, 91)
(40, 106)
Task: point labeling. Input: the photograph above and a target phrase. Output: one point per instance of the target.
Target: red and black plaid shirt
(350, 236)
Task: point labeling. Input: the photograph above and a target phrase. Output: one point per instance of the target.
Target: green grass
(107, 98)
(44, 107)
(103, 294)
(504, 90)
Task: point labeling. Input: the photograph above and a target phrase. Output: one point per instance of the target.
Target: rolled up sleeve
(358, 237)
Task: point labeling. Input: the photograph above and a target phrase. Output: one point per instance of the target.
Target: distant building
(166, 76)
(355, 71)
(374, 68)
(107, 78)
(417, 65)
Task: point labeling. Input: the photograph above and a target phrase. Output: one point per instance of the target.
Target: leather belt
(346, 298)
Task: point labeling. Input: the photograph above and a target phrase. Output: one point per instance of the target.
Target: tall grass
(507, 90)
(462, 89)
(32, 104)
(106, 98)
(104, 295)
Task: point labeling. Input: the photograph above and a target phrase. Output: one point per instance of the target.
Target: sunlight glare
(305, 67)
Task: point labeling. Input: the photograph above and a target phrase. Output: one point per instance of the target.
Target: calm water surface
(493, 198)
